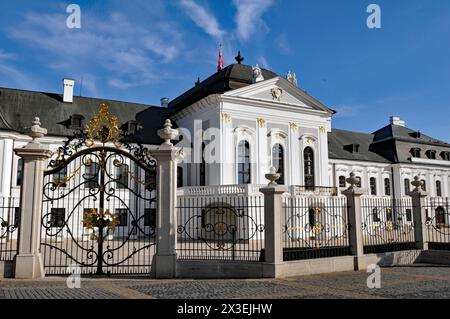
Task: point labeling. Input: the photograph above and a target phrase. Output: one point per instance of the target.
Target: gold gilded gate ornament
(104, 127)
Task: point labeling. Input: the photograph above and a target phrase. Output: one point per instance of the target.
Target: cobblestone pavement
(400, 282)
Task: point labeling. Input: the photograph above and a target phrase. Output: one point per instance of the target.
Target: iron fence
(387, 224)
(315, 227)
(221, 228)
(438, 223)
(9, 225)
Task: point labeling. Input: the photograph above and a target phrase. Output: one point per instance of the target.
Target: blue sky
(141, 50)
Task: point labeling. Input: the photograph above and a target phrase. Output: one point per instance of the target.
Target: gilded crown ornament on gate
(104, 127)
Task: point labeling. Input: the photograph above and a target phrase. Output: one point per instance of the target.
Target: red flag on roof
(220, 63)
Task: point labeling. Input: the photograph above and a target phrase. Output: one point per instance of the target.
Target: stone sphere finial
(167, 133)
(36, 131)
(352, 180)
(273, 176)
(417, 183)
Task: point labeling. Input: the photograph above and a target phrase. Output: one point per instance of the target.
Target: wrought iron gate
(99, 203)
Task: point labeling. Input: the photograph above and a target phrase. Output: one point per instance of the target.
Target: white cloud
(282, 43)
(203, 19)
(6, 56)
(125, 49)
(13, 75)
(263, 62)
(345, 111)
(249, 16)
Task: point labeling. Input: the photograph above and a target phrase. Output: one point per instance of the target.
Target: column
(353, 195)
(419, 198)
(28, 262)
(167, 157)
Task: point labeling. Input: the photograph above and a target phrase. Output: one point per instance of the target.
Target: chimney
(165, 102)
(396, 120)
(68, 90)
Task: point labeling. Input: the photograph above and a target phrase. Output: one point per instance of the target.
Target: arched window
(342, 182)
(278, 161)
(373, 186)
(308, 154)
(359, 181)
(244, 164)
(407, 186)
(387, 186)
(424, 185)
(438, 189)
(202, 181)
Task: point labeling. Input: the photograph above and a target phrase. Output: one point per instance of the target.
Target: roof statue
(291, 77)
(257, 74)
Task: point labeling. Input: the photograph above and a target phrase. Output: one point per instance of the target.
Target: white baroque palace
(246, 120)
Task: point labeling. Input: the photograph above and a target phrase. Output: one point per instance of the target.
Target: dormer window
(131, 127)
(352, 148)
(445, 156)
(76, 121)
(431, 154)
(416, 134)
(416, 152)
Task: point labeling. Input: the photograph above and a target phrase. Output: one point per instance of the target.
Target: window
(352, 148)
(244, 164)
(424, 185)
(57, 217)
(409, 215)
(278, 161)
(60, 178)
(445, 156)
(376, 215)
(359, 183)
(16, 217)
(203, 167)
(122, 176)
(91, 175)
(440, 216)
(407, 186)
(431, 154)
(415, 152)
(309, 167)
(312, 217)
(179, 176)
(387, 186)
(150, 217)
(342, 182)
(150, 180)
(438, 189)
(19, 172)
(373, 186)
(389, 214)
(122, 214)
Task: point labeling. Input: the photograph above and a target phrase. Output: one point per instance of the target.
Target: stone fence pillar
(419, 200)
(273, 221)
(167, 157)
(353, 195)
(28, 261)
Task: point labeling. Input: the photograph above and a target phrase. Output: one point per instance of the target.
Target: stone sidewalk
(400, 282)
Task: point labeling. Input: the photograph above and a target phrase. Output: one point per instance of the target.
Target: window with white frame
(244, 170)
(278, 161)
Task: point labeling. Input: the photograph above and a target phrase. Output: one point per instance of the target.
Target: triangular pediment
(279, 91)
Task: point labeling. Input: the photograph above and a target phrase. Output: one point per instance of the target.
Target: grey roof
(18, 108)
(230, 78)
(401, 133)
(339, 139)
(391, 144)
